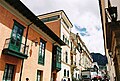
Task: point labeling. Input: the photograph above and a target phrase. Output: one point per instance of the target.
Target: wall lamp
(110, 53)
(35, 41)
(113, 13)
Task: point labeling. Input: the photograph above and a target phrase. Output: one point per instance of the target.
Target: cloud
(83, 13)
(82, 30)
(94, 42)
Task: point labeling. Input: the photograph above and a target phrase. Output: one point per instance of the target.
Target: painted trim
(102, 25)
(58, 12)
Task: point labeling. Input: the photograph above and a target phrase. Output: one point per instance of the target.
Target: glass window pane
(68, 73)
(14, 31)
(64, 72)
(8, 73)
(16, 37)
(41, 51)
(39, 75)
(76, 75)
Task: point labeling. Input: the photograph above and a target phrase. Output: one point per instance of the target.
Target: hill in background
(99, 58)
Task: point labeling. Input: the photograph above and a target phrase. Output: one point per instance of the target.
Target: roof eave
(19, 6)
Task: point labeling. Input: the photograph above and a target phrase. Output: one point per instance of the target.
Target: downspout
(24, 50)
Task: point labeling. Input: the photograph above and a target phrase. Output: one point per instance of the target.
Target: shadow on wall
(7, 59)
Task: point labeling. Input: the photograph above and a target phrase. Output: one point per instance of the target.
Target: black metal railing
(21, 45)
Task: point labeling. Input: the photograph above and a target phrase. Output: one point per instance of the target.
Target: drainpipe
(24, 50)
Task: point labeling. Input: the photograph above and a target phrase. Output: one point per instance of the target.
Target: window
(58, 57)
(56, 61)
(71, 46)
(76, 75)
(58, 54)
(68, 73)
(66, 58)
(66, 24)
(64, 72)
(63, 37)
(75, 63)
(16, 36)
(68, 42)
(50, 18)
(41, 52)
(39, 75)
(8, 72)
(71, 60)
(75, 49)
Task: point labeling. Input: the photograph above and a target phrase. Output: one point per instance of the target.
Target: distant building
(102, 62)
(80, 56)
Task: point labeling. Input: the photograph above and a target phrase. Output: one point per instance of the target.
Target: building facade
(27, 45)
(59, 23)
(110, 15)
(75, 58)
(80, 57)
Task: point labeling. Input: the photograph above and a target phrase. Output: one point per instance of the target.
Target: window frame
(41, 57)
(76, 75)
(39, 72)
(68, 73)
(49, 19)
(66, 57)
(8, 72)
(58, 56)
(12, 39)
(65, 72)
(63, 37)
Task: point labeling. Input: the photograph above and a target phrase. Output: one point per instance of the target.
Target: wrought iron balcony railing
(15, 48)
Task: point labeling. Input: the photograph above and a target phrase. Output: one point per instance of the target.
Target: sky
(84, 15)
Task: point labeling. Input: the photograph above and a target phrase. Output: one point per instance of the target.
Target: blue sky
(84, 15)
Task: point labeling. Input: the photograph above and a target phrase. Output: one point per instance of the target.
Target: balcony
(15, 48)
(57, 66)
(73, 65)
(56, 61)
(73, 51)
